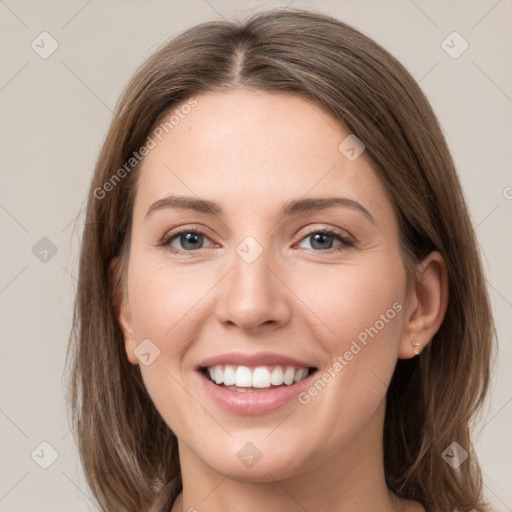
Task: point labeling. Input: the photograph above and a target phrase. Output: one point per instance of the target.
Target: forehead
(254, 149)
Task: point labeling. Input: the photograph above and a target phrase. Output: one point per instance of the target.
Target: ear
(426, 305)
(122, 308)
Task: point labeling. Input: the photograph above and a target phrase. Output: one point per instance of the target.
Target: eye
(322, 240)
(190, 239)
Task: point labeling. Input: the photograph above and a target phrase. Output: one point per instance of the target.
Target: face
(261, 284)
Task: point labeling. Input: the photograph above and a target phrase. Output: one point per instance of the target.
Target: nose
(253, 296)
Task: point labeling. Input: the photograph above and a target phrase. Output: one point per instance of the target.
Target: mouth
(255, 379)
(254, 384)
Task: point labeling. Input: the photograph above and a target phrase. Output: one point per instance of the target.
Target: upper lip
(259, 359)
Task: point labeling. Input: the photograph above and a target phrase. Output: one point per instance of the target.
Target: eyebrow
(292, 207)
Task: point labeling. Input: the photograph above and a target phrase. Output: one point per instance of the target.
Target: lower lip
(253, 402)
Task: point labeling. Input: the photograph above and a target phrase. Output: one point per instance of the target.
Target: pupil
(192, 239)
(321, 238)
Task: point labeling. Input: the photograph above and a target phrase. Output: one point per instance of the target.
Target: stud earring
(416, 346)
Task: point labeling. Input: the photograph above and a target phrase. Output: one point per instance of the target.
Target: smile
(260, 378)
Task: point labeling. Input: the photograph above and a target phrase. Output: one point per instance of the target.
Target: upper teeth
(258, 377)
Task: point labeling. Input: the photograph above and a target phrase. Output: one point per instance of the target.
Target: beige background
(55, 113)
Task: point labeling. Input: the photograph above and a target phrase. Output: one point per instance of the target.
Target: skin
(250, 152)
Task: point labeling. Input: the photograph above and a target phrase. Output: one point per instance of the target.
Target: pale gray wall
(54, 115)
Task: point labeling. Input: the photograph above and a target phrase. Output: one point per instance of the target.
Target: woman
(222, 358)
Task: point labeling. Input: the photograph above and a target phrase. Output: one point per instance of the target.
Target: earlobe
(122, 309)
(427, 303)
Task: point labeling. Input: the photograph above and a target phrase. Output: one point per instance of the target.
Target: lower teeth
(249, 390)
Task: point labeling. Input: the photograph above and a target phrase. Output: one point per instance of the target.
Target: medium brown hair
(129, 454)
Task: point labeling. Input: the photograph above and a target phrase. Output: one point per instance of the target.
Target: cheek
(164, 307)
(363, 308)
(362, 305)
(354, 298)
(163, 301)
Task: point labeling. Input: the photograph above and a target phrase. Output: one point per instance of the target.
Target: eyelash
(346, 242)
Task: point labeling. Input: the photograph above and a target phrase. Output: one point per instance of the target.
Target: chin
(246, 463)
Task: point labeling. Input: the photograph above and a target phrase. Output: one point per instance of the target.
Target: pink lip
(260, 359)
(251, 403)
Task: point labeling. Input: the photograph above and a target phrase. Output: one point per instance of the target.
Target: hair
(129, 454)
